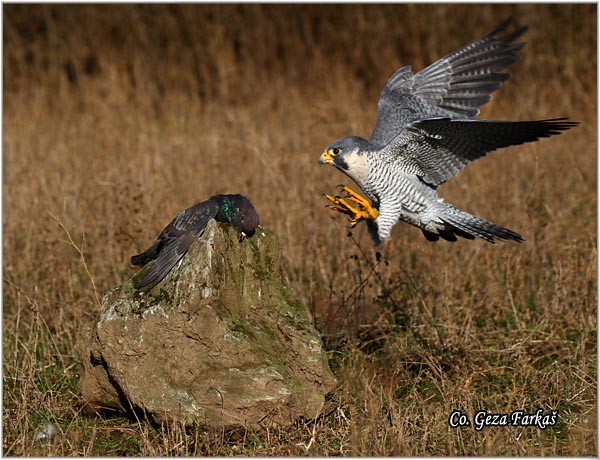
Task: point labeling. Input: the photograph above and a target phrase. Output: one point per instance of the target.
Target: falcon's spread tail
(465, 225)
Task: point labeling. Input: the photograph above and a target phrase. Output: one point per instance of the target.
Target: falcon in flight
(187, 227)
(425, 134)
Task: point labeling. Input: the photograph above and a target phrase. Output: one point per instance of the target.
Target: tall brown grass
(116, 117)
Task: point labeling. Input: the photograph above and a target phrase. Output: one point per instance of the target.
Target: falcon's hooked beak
(326, 157)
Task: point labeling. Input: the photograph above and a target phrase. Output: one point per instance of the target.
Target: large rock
(221, 341)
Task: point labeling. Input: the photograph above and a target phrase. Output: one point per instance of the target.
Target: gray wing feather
(191, 219)
(456, 85)
(176, 239)
(171, 253)
(437, 149)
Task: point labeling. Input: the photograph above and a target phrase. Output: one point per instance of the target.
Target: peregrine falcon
(425, 134)
(187, 227)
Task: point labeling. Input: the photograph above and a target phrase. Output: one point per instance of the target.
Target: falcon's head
(347, 155)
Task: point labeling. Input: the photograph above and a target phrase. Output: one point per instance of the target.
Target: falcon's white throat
(357, 166)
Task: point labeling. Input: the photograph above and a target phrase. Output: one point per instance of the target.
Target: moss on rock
(221, 341)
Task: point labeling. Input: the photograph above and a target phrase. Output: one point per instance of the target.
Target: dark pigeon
(187, 227)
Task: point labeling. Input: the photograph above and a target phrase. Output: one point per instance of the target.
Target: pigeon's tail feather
(149, 254)
(463, 223)
(169, 256)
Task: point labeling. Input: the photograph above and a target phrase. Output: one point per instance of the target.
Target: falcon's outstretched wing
(437, 149)
(456, 85)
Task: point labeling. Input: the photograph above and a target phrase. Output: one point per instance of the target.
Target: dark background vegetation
(117, 117)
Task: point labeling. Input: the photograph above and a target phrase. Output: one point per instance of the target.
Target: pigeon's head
(238, 210)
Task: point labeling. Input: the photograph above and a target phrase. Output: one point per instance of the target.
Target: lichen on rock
(221, 341)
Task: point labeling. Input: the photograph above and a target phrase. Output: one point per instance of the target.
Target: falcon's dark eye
(335, 151)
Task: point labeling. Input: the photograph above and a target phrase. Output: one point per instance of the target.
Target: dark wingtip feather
(503, 26)
(565, 121)
(557, 125)
(500, 27)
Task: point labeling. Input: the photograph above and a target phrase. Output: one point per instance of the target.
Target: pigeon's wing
(437, 149)
(456, 85)
(193, 218)
(172, 252)
(176, 239)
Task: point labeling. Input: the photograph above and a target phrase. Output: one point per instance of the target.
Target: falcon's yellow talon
(362, 202)
(341, 204)
(330, 198)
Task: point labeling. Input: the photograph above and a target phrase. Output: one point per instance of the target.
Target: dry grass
(117, 117)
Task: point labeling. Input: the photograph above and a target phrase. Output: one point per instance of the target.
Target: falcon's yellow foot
(363, 211)
(341, 205)
(364, 204)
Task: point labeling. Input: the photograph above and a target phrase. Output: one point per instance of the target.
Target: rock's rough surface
(220, 341)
